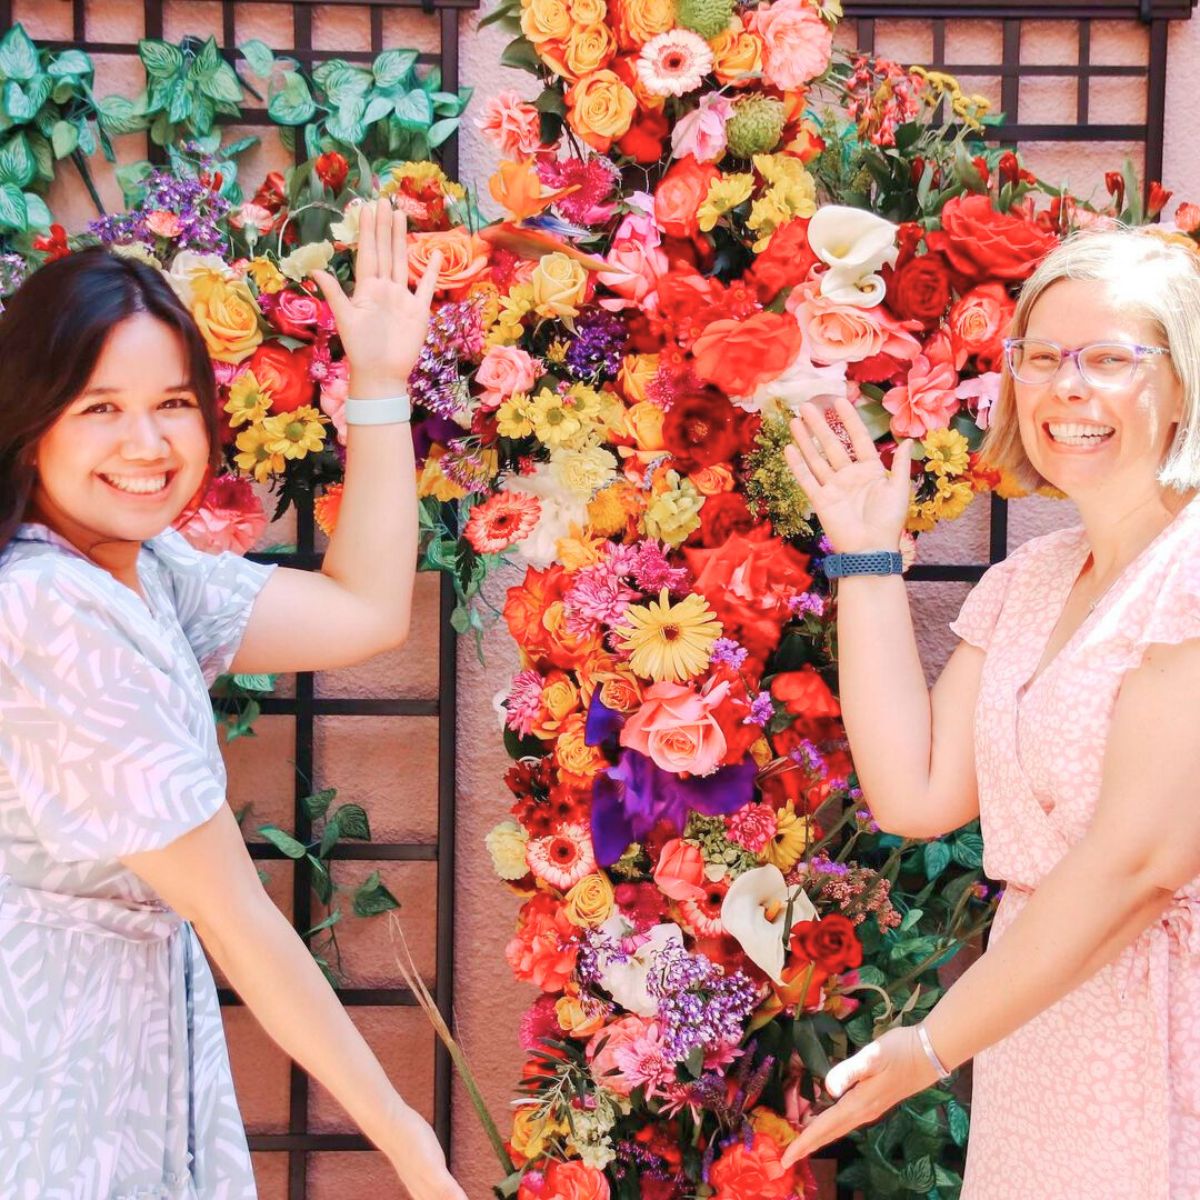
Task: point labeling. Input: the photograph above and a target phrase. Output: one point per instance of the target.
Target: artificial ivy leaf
(316, 805)
(160, 130)
(328, 923)
(968, 850)
(341, 82)
(13, 211)
(521, 55)
(959, 1122)
(329, 838)
(353, 820)
(203, 113)
(43, 155)
(18, 55)
(17, 103)
(292, 104)
(937, 859)
(376, 110)
(69, 62)
(260, 56)
(413, 111)
(64, 138)
(17, 164)
(282, 841)
(179, 106)
(322, 884)
(373, 897)
(918, 1176)
(392, 66)
(240, 146)
(222, 85)
(208, 61)
(37, 214)
(439, 131)
(346, 123)
(161, 59)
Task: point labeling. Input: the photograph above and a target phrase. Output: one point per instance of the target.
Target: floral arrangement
(711, 219)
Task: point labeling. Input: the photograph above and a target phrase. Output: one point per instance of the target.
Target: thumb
(902, 465)
(331, 289)
(429, 280)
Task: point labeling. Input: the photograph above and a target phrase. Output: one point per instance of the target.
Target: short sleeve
(213, 596)
(981, 610)
(108, 752)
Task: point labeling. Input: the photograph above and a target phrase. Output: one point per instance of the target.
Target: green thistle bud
(756, 126)
(705, 17)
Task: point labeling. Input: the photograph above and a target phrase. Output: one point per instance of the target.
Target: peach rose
(844, 333)
(600, 109)
(676, 728)
(645, 423)
(737, 54)
(633, 273)
(588, 49)
(576, 1018)
(637, 370)
(227, 316)
(680, 871)
(925, 401)
(796, 42)
(511, 124)
(587, 12)
(464, 256)
(978, 321)
(572, 753)
(590, 901)
(712, 481)
(545, 20)
(505, 370)
(559, 285)
(637, 21)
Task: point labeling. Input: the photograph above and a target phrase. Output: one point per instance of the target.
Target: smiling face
(1090, 440)
(129, 452)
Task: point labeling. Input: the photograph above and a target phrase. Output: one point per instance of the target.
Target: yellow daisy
(512, 417)
(248, 400)
(670, 641)
(266, 275)
(723, 195)
(792, 836)
(254, 456)
(946, 452)
(555, 423)
(295, 434)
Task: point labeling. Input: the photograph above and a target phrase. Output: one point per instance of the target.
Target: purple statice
(652, 572)
(761, 710)
(808, 756)
(598, 347)
(699, 1006)
(596, 952)
(807, 604)
(726, 650)
(464, 465)
(455, 333)
(13, 270)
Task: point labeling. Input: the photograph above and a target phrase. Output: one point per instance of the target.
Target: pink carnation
(231, 517)
(925, 401)
(796, 42)
(539, 1021)
(512, 125)
(524, 703)
(752, 827)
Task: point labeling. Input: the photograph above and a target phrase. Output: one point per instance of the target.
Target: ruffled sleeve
(213, 596)
(109, 753)
(977, 618)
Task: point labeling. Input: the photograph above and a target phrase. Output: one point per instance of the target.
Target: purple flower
(761, 710)
(726, 650)
(598, 345)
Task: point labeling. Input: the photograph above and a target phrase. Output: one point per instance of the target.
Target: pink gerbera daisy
(562, 859)
(503, 520)
(703, 916)
(674, 63)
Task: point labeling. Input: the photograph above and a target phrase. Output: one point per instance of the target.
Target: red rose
(920, 290)
(644, 141)
(785, 262)
(753, 1172)
(805, 694)
(724, 514)
(332, 169)
(831, 943)
(738, 355)
(285, 373)
(703, 429)
(978, 322)
(981, 243)
(679, 195)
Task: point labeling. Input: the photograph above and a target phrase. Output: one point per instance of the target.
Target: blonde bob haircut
(1156, 279)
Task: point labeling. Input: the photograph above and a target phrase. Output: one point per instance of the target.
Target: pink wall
(389, 765)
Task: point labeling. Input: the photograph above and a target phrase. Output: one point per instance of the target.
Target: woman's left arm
(362, 596)
(1143, 845)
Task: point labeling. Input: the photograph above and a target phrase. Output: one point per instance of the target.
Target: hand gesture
(869, 1083)
(420, 1162)
(382, 326)
(861, 506)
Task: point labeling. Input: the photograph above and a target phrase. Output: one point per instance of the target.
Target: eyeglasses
(1102, 364)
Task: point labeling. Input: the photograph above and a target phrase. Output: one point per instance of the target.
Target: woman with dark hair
(116, 845)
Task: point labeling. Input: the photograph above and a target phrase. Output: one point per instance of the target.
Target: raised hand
(861, 506)
(382, 326)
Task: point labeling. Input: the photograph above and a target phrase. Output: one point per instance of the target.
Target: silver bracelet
(930, 1052)
(390, 410)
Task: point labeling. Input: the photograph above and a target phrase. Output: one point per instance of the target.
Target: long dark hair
(51, 336)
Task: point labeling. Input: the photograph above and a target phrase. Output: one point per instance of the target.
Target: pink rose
(846, 333)
(676, 728)
(978, 322)
(512, 125)
(796, 42)
(503, 371)
(680, 871)
(702, 132)
(296, 314)
(230, 517)
(925, 401)
(335, 387)
(634, 268)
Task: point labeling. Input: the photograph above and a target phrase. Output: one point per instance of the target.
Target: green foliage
(187, 87)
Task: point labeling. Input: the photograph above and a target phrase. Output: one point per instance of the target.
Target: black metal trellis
(306, 706)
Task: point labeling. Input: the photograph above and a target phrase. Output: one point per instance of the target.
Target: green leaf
(64, 138)
(43, 155)
(346, 123)
(439, 131)
(223, 85)
(37, 214)
(260, 56)
(918, 1176)
(18, 55)
(694, 1063)
(373, 898)
(341, 82)
(328, 923)
(17, 164)
(208, 61)
(414, 111)
(392, 66)
(959, 1122)
(282, 841)
(14, 214)
(18, 104)
(353, 820)
(521, 55)
(968, 850)
(161, 59)
(937, 859)
(119, 115)
(812, 1053)
(322, 884)
(69, 62)
(551, 101)
(179, 106)
(316, 805)
(329, 838)
(376, 110)
(292, 104)
(203, 113)
(255, 683)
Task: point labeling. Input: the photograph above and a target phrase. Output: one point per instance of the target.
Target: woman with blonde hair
(1065, 720)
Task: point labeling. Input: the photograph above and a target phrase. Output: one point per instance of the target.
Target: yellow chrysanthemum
(792, 836)
(674, 513)
(609, 510)
(555, 421)
(296, 434)
(266, 275)
(723, 195)
(513, 416)
(580, 549)
(422, 172)
(953, 497)
(254, 457)
(248, 400)
(670, 642)
(556, 352)
(947, 452)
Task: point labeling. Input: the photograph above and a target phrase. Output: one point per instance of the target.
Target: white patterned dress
(114, 1075)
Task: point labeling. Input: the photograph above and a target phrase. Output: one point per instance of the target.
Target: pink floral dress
(1098, 1097)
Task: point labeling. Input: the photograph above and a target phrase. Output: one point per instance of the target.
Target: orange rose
(588, 49)
(754, 1172)
(738, 355)
(533, 613)
(679, 195)
(712, 481)
(737, 53)
(545, 20)
(637, 21)
(464, 256)
(572, 753)
(560, 698)
(577, 1018)
(600, 109)
(575, 1180)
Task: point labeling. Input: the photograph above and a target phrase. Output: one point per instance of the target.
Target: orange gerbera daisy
(502, 520)
(326, 508)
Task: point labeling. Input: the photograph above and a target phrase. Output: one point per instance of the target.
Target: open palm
(382, 325)
(861, 506)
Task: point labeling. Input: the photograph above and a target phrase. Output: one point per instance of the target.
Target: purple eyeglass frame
(1139, 352)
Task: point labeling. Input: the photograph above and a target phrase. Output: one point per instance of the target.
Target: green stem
(86, 175)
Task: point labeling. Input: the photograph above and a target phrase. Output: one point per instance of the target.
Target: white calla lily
(854, 244)
(755, 914)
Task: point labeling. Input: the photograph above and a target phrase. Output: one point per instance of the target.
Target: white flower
(801, 382)
(188, 266)
(583, 472)
(625, 981)
(559, 513)
(303, 262)
(754, 913)
(506, 844)
(346, 230)
(674, 63)
(854, 244)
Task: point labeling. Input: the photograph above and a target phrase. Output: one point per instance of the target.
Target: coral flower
(327, 507)
(670, 642)
(502, 520)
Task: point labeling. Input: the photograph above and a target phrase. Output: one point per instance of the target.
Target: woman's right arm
(207, 877)
(913, 749)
